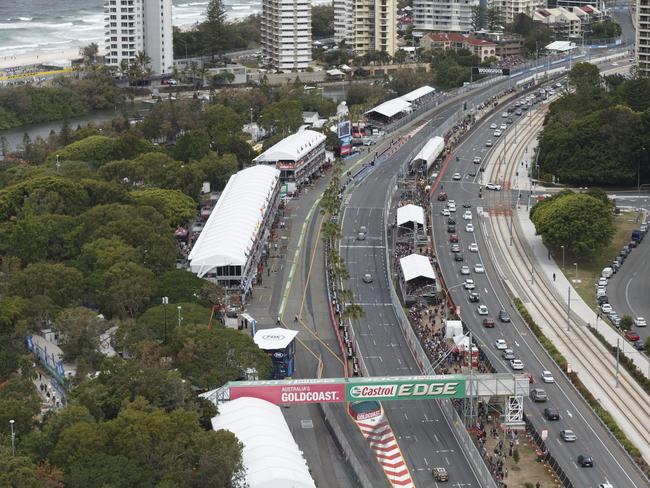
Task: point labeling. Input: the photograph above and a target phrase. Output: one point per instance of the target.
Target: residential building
(238, 72)
(509, 9)
(598, 4)
(482, 48)
(366, 25)
(643, 36)
(134, 26)
(563, 23)
(507, 45)
(286, 34)
(444, 15)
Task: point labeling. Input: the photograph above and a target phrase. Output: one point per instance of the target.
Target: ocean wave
(25, 19)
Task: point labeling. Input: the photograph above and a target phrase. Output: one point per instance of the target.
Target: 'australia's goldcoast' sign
(329, 390)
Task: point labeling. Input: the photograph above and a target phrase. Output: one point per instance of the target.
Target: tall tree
(215, 27)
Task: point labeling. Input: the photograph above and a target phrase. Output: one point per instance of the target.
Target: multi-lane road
(611, 463)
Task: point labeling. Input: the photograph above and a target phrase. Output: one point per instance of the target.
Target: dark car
(602, 299)
(453, 238)
(488, 323)
(503, 316)
(442, 197)
(551, 413)
(466, 204)
(473, 297)
(451, 229)
(451, 221)
(458, 257)
(632, 244)
(472, 172)
(585, 461)
(638, 345)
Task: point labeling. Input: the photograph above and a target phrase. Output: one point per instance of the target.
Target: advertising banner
(293, 392)
(406, 389)
(344, 129)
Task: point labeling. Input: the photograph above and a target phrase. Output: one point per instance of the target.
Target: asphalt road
(611, 463)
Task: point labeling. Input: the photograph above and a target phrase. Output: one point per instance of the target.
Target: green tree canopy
(63, 284)
(174, 205)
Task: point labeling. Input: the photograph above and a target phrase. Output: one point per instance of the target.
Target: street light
(179, 315)
(165, 302)
(576, 265)
(562, 257)
(13, 437)
(446, 292)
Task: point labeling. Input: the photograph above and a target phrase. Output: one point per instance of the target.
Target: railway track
(628, 402)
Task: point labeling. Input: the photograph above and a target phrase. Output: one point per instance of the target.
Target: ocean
(39, 26)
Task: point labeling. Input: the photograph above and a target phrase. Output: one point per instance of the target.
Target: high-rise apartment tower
(286, 34)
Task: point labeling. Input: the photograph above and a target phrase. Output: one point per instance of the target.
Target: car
(501, 344)
(473, 297)
(488, 143)
(602, 299)
(476, 160)
(442, 196)
(616, 321)
(585, 461)
(493, 126)
(568, 435)
(469, 284)
(473, 247)
(605, 485)
(503, 316)
(469, 227)
(451, 207)
(367, 278)
(478, 268)
(510, 121)
(551, 413)
(464, 270)
(467, 215)
(640, 322)
(503, 126)
(451, 229)
(508, 354)
(451, 202)
(504, 115)
(451, 221)
(547, 377)
(455, 248)
(466, 204)
(471, 172)
(482, 310)
(488, 323)
(456, 177)
(453, 238)
(602, 281)
(516, 364)
(632, 244)
(497, 133)
(638, 345)
(601, 291)
(538, 395)
(440, 474)
(445, 212)
(493, 186)
(606, 308)
(458, 257)
(361, 236)
(632, 336)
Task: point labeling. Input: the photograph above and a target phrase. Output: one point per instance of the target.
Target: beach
(61, 58)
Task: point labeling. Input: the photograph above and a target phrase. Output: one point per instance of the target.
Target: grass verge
(604, 415)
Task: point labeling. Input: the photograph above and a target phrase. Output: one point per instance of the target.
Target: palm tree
(331, 231)
(353, 312)
(345, 296)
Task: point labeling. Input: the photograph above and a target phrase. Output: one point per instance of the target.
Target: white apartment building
(444, 15)
(139, 25)
(564, 24)
(366, 25)
(643, 36)
(286, 34)
(509, 9)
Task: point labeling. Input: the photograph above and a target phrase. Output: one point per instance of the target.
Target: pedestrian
(553, 276)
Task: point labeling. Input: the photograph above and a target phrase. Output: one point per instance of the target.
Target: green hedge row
(604, 415)
(626, 362)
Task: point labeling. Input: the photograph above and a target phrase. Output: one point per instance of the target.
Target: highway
(611, 463)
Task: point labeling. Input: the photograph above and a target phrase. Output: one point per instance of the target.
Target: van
(636, 235)
(607, 272)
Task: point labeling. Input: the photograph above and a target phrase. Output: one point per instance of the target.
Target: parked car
(606, 308)
(632, 336)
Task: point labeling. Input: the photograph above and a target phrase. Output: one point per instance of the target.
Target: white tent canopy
(418, 93)
(560, 46)
(454, 328)
(417, 266)
(271, 339)
(271, 456)
(233, 225)
(292, 147)
(391, 107)
(431, 151)
(410, 213)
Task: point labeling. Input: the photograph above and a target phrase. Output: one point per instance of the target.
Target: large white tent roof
(416, 266)
(431, 150)
(410, 213)
(561, 46)
(391, 107)
(292, 148)
(233, 225)
(418, 93)
(270, 339)
(270, 455)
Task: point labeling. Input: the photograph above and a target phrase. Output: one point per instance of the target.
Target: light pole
(13, 437)
(165, 302)
(562, 257)
(179, 315)
(446, 292)
(576, 265)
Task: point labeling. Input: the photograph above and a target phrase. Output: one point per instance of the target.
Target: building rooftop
(292, 148)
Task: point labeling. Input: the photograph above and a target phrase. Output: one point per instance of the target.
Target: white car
(445, 212)
(501, 344)
(497, 133)
(477, 160)
(479, 268)
(547, 377)
(504, 115)
(602, 281)
(503, 126)
(516, 364)
(606, 308)
(451, 207)
(493, 186)
(482, 310)
(464, 270)
(488, 143)
(640, 322)
(473, 247)
(469, 284)
(467, 215)
(456, 177)
(469, 227)
(493, 126)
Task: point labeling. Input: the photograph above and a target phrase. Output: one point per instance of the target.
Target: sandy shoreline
(58, 57)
